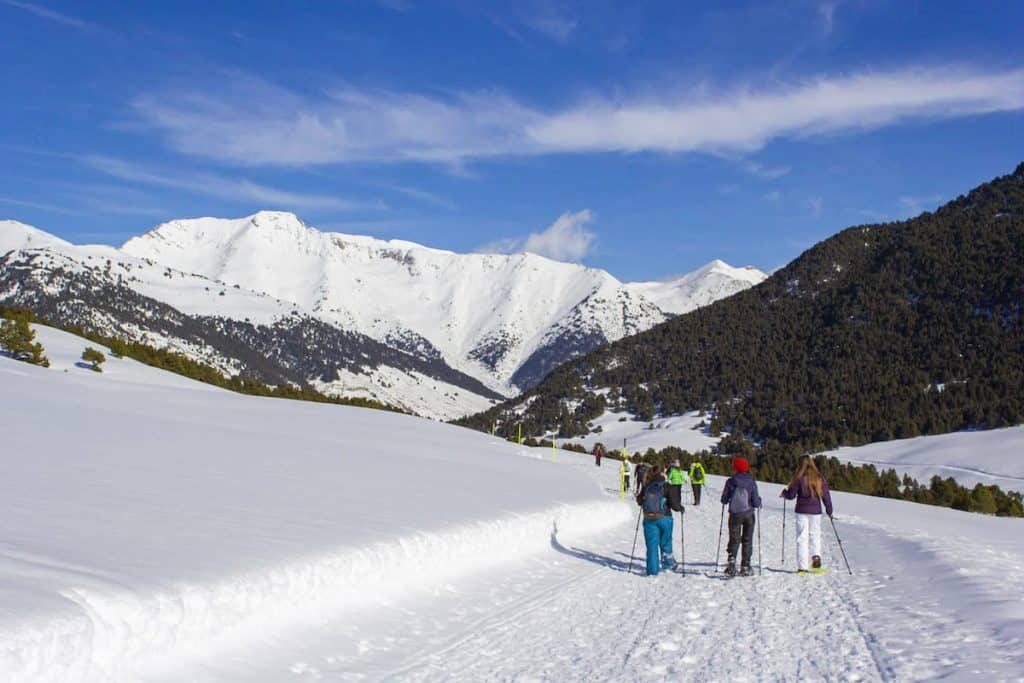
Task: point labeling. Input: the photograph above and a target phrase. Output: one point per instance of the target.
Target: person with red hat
(741, 495)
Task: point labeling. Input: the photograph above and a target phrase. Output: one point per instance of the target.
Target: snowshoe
(668, 563)
(730, 569)
(802, 571)
(746, 571)
(819, 570)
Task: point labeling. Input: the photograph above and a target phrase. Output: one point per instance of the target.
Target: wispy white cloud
(251, 122)
(912, 206)
(827, 14)
(224, 188)
(815, 205)
(762, 171)
(49, 14)
(567, 239)
(41, 206)
(422, 196)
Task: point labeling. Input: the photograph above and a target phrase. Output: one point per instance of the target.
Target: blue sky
(645, 138)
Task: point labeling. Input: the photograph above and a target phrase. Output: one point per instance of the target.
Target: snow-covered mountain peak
(709, 283)
(15, 235)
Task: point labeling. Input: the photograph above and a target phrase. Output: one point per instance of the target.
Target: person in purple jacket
(740, 494)
(810, 490)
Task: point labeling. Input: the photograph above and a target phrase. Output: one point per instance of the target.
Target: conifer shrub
(94, 357)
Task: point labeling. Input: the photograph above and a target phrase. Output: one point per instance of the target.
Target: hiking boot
(746, 571)
(668, 562)
(730, 569)
(816, 562)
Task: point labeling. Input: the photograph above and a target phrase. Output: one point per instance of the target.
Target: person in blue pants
(657, 521)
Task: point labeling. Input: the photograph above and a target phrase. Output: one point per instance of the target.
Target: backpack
(653, 502)
(740, 501)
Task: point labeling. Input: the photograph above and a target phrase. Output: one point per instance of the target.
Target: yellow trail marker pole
(554, 455)
(624, 473)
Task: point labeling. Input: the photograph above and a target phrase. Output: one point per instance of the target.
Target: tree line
(187, 367)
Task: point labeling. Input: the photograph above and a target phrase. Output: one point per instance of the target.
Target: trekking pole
(682, 540)
(783, 532)
(757, 523)
(635, 535)
(718, 553)
(840, 544)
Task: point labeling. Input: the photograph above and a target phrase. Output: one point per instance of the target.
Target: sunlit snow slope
(145, 513)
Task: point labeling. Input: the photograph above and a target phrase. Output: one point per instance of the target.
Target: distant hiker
(741, 495)
(598, 454)
(810, 489)
(640, 474)
(624, 473)
(697, 479)
(657, 521)
(676, 479)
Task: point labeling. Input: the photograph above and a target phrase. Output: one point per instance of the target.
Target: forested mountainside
(881, 331)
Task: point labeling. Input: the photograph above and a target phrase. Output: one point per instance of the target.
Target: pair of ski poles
(682, 541)
(721, 525)
(834, 531)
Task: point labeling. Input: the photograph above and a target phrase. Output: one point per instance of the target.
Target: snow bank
(148, 515)
(117, 631)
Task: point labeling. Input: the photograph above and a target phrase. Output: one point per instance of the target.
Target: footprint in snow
(669, 647)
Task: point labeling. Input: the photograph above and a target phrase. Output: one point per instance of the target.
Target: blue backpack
(654, 498)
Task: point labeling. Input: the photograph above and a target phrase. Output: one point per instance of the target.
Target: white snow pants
(808, 539)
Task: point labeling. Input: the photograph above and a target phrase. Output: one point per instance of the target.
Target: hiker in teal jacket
(657, 521)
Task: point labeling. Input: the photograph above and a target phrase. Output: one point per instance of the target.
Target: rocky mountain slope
(438, 333)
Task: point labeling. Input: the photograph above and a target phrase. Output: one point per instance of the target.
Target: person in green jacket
(697, 479)
(677, 478)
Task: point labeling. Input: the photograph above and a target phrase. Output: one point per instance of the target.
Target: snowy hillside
(983, 457)
(164, 530)
(437, 333)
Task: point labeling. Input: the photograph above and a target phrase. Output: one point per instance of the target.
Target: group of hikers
(659, 493)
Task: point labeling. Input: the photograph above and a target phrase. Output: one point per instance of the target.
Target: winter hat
(741, 465)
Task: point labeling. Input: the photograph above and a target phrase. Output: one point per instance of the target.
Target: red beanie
(741, 465)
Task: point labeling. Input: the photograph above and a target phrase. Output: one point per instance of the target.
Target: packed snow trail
(921, 605)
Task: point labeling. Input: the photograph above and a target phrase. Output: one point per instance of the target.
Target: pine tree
(18, 339)
(94, 357)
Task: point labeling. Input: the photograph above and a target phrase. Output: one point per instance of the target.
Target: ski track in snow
(575, 613)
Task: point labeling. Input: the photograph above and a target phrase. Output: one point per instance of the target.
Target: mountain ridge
(504, 321)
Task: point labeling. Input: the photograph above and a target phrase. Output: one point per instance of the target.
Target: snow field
(150, 517)
(983, 457)
(679, 431)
